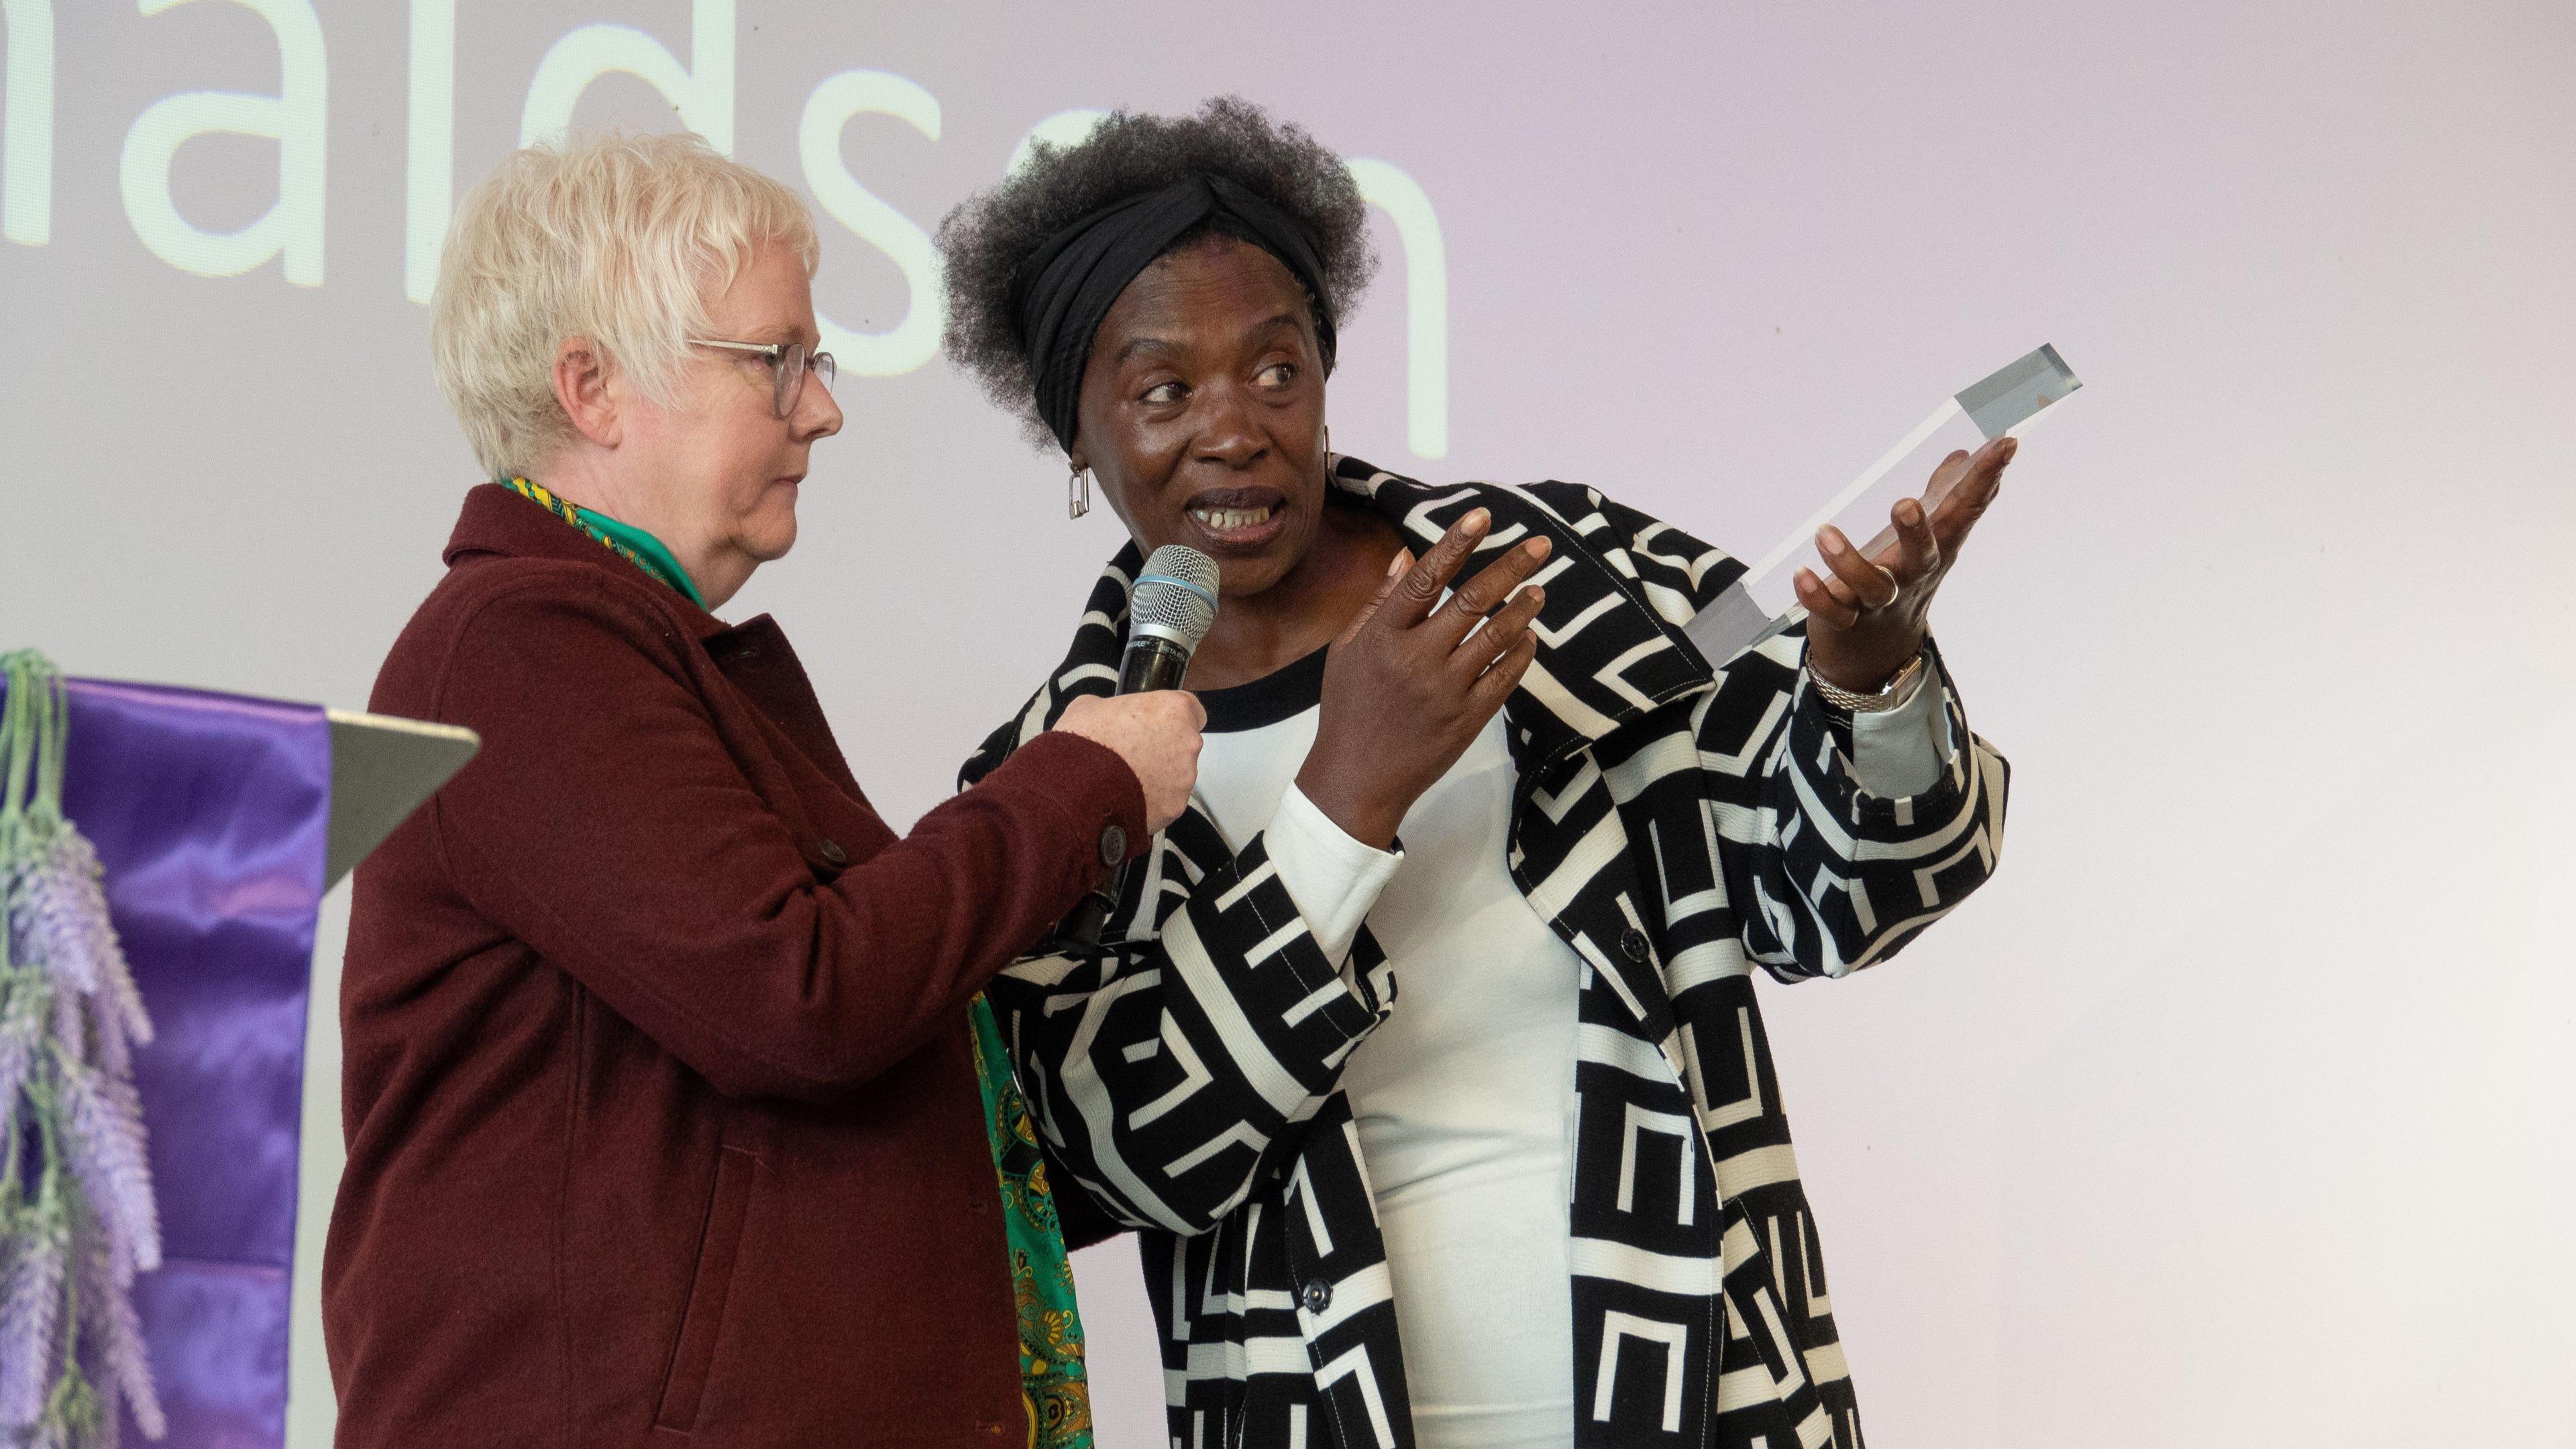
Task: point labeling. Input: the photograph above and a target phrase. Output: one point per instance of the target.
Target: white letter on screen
(429, 186)
(1426, 301)
(704, 98)
(1064, 128)
(27, 150)
(293, 118)
(834, 104)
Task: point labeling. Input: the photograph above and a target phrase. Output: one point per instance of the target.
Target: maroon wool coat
(659, 1095)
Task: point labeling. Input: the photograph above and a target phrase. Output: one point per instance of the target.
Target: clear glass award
(1765, 601)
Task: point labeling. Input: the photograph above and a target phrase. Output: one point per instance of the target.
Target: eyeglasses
(788, 364)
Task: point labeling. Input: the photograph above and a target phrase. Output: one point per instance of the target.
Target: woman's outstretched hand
(1408, 685)
(1871, 615)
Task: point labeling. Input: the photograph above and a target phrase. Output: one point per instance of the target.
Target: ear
(1076, 458)
(582, 390)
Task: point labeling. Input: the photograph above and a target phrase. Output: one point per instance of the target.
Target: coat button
(1113, 844)
(1632, 944)
(833, 852)
(1319, 1295)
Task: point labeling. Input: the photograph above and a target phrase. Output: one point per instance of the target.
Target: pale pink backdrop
(2239, 1110)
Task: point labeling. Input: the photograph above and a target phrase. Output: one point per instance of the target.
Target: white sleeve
(1900, 752)
(1333, 878)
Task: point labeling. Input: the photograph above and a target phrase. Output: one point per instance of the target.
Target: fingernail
(1403, 560)
(1537, 547)
(1827, 539)
(1476, 520)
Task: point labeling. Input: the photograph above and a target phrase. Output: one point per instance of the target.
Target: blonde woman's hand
(1156, 733)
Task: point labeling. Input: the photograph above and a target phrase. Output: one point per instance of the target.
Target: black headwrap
(1063, 291)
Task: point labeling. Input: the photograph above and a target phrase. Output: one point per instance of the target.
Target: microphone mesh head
(1175, 597)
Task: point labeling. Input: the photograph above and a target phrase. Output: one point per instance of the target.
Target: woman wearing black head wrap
(1548, 1197)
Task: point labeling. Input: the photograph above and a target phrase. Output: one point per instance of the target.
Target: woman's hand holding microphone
(1408, 686)
(1156, 733)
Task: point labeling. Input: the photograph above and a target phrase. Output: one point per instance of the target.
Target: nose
(1230, 432)
(818, 413)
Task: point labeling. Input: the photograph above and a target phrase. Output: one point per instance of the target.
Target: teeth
(1225, 520)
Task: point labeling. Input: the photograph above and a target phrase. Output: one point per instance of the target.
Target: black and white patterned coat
(1677, 825)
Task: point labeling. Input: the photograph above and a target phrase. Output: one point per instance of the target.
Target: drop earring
(1077, 492)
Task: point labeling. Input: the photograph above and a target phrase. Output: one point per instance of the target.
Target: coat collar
(1605, 655)
(498, 521)
(754, 655)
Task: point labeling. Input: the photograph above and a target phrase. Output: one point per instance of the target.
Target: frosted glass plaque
(1765, 601)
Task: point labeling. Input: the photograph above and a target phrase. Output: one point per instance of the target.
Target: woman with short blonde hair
(671, 1098)
(618, 240)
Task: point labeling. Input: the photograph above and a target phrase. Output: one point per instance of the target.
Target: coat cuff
(1096, 797)
(1900, 752)
(1824, 748)
(1333, 878)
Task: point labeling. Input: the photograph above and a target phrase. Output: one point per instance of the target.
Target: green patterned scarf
(622, 539)
(1053, 1382)
(1054, 1387)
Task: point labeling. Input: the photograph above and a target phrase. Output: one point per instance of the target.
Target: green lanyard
(1054, 1385)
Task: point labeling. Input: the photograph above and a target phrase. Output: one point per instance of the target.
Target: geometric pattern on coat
(1676, 824)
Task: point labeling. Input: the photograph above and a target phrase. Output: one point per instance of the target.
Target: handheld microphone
(1168, 612)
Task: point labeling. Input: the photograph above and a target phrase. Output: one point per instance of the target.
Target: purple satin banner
(209, 813)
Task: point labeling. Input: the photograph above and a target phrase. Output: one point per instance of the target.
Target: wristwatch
(1897, 693)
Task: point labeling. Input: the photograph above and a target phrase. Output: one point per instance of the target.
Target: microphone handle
(1151, 663)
